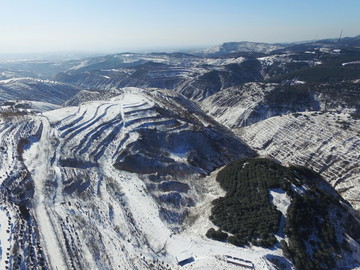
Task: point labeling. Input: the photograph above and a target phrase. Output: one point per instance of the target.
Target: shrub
(216, 235)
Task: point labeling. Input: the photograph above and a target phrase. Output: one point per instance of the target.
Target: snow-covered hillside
(329, 143)
(72, 199)
(36, 90)
(250, 103)
(195, 77)
(243, 46)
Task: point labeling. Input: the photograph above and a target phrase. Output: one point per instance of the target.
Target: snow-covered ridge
(243, 46)
(351, 63)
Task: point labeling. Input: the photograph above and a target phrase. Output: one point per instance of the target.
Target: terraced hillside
(104, 185)
(193, 76)
(329, 143)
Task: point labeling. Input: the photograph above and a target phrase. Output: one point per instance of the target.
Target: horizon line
(149, 49)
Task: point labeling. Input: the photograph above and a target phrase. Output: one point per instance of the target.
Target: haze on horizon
(117, 25)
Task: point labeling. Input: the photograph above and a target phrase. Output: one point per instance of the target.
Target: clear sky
(116, 25)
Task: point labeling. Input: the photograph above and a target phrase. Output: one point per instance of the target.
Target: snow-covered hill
(200, 76)
(106, 184)
(269, 205)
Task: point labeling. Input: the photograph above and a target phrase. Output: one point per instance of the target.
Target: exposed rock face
(326, 142)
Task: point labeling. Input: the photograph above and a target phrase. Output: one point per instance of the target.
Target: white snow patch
(280, 199)
(351, 63)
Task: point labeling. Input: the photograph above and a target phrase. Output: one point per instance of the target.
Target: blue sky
(116, 25)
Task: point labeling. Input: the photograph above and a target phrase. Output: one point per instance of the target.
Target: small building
(239, 262)
(184, 258)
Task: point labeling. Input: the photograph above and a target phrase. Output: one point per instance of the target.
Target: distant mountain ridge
(243, 46)
(268, 48)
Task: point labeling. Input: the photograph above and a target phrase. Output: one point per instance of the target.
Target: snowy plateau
(112, 162)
